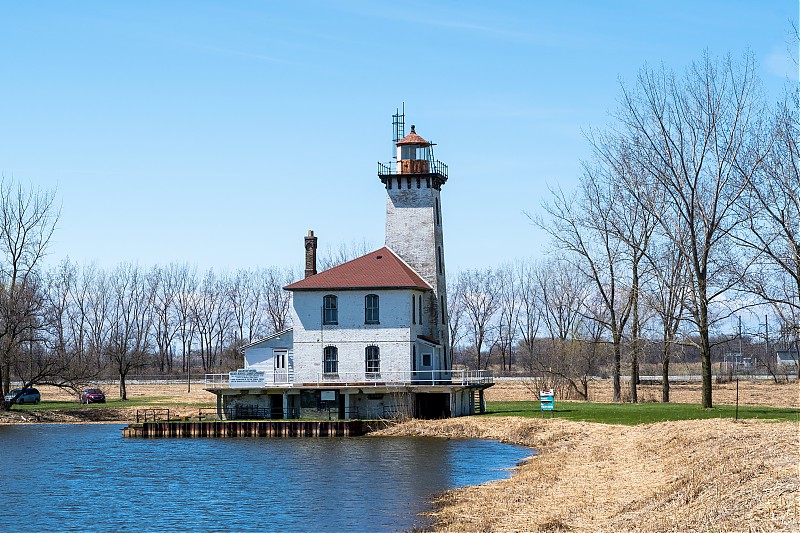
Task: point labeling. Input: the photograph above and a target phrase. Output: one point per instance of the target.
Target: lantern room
(413, 154)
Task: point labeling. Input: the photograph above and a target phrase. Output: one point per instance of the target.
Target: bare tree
(186, 281)
(130, 323)
(245, 303)
(277, 301)
(341, 253)
(583, 226)
(770, 205)
(455, 315)
(206, 314)
(28, 218)
(562, 291)
(530, 315)
(166, 283)
(667, 299)
(97, 306)
(698, 139)
(76, 314)
(481, 298)
(571, 355)
(508, 320)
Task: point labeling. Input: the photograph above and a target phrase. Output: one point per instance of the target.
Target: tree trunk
(635, 332)
(705, 351)
(665, 375)
(616, 370)
(6, 378)
(123, 392)
(797, 353)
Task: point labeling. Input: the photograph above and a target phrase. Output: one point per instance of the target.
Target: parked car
(29, 395)
(93, 396)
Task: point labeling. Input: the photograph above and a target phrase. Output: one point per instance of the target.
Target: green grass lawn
(640, 413)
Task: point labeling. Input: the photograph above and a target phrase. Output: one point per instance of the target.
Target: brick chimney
(311, 254)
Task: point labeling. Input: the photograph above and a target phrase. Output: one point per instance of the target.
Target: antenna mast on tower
(399, 126)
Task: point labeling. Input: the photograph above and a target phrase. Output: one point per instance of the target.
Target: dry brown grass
(175, 397)
(709, 475)
(766, 393)
(167, 393)
(750, 393)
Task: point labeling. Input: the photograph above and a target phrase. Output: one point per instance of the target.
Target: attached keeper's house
(370, 336)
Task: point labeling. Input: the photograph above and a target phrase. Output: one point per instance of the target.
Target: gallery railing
(375, 379)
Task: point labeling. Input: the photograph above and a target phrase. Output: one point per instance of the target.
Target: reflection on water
(87, 477)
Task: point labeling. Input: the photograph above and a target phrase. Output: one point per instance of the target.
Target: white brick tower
(414, 223)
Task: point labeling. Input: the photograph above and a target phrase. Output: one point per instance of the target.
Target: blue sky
(218, 133)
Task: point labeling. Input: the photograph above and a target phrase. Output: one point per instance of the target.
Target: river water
(88, 478)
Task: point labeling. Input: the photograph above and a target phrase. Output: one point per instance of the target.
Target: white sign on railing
(246, 377)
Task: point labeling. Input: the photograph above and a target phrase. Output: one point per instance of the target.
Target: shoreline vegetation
(708, 475)
(691, 475)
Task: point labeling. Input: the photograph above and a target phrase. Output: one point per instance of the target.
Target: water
(88, 478)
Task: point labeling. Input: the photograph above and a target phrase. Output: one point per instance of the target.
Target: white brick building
(370, 336)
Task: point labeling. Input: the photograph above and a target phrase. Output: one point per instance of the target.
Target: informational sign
(546, 401)
(246, 377)
(328, 395)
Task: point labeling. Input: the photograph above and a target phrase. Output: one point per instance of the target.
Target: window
(439, 259)
(371, 315)
(413, 309)
(414, 358)
(426, 359)
(444, 311)
(331, 360)
(438, 214)
(373, 359)
(419, 306)
(330, 310)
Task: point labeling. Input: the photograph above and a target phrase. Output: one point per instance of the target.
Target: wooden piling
(238, 428)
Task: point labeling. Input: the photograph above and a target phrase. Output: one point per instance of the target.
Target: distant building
(786, 357)
(370, 336)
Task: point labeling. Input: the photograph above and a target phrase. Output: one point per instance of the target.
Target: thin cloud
(780, 64)
(237, 53)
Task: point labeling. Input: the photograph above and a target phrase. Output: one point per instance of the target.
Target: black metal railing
(435, 167)
(154, 414)
(252, 412)
(334, 413)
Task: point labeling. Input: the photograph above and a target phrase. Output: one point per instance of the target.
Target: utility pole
(741, 355)
(766, 336)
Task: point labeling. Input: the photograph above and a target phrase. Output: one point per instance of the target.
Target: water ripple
(88, 478)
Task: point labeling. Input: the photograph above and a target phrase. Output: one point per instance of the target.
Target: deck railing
(377, 379)
(392, 168)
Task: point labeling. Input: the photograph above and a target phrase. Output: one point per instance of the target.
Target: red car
(93, 396)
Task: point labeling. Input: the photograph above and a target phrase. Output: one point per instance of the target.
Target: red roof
(413, 138)
(381, 269)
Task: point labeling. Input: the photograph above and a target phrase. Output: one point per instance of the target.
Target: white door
(281, 371)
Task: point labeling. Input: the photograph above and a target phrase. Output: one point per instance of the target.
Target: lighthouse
(414, 232)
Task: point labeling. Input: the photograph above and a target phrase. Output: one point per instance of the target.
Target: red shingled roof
(413, 138)
(381, 269)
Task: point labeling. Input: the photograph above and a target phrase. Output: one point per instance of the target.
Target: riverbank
(716, 475)
(702, 475)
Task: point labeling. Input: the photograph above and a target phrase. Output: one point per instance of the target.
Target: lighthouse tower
(414, 223)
